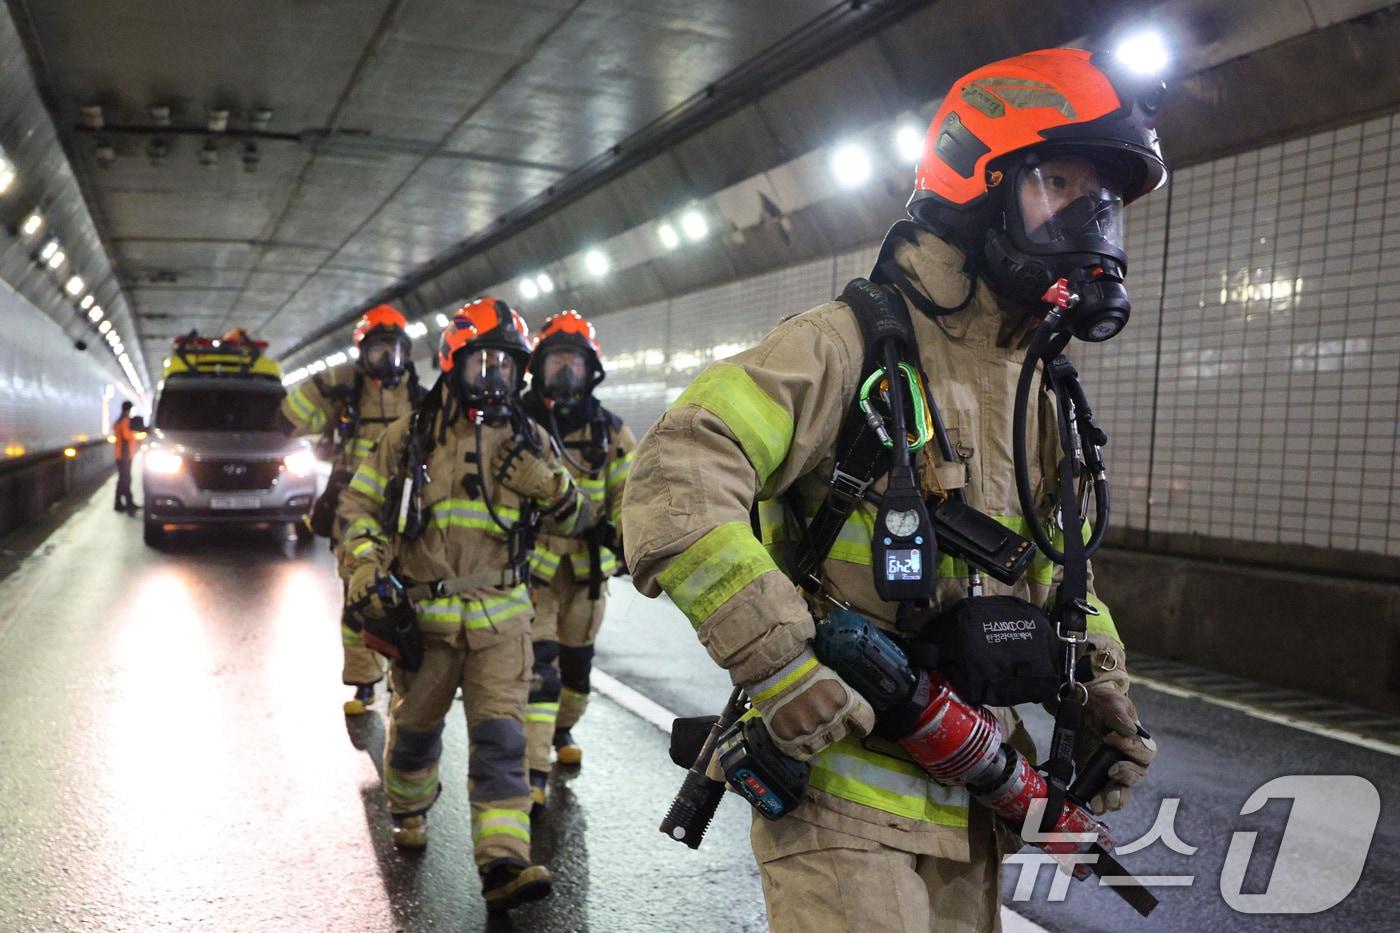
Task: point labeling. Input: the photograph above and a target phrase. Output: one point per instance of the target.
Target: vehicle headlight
(301, 463)
(163, 462)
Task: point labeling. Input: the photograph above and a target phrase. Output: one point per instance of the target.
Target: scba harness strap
(861, 458)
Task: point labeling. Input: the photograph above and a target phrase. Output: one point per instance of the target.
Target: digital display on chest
(904, 564)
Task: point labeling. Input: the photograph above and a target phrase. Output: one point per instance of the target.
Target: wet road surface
(175, 757)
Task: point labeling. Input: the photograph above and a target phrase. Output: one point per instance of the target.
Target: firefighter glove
(807, 707)
(1111, 717)
(362, 590)
(527, 475)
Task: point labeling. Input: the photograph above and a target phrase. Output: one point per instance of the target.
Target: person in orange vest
(125, 453)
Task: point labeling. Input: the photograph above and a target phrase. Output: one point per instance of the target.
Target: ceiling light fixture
(7, 175)
(261, 119)
(218, 120)
(91, 116)
(528, 289)
(596, 262)
(57, 259)
(74, 285)
(86, 302)
(545, 283)
(668, 236)
(104, 327)
(32, 224)
(49, 249)
(694, 225)
(95, 313)
(160, 114)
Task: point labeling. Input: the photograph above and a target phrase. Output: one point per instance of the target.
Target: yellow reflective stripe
(407, 789)
(443, 609)
(369, 482)
(619, 469)
(1103, 622)
(579, 561)
(709, 572)
(483, 613)
(761, 426)
(362, 548)
(470, 513)
(791, 673)
(542, 712)
(852, 772)
(543, 564)
(349, 636)
(363, 527)
(514, 823)
(301, 407)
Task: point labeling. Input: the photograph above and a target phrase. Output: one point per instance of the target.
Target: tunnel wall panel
(51, 395)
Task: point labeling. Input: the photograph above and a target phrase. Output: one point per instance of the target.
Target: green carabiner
(916, 394)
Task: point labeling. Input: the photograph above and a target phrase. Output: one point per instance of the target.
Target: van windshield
(218, 408)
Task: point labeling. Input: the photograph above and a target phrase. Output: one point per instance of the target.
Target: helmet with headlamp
(1028, 164)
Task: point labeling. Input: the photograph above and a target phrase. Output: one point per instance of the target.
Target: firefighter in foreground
(347, 408)
(570, 575)
(441, 511)
(1024, 173)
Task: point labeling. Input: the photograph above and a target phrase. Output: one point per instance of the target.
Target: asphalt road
(174, 756)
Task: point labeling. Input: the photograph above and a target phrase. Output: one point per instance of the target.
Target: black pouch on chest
(997, 651)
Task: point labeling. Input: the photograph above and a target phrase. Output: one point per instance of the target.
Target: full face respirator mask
(384, 357)
(1060, 216)
(486, 381)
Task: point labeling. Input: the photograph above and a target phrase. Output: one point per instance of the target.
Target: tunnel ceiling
(396, 129)
(423, 149)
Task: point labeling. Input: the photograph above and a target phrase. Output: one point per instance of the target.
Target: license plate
(235, 502)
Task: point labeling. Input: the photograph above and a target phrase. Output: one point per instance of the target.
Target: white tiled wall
(1257, 401)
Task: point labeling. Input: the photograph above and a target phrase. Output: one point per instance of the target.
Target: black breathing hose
(1045, 346)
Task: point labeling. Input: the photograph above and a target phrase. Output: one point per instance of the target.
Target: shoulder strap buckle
(849, 487)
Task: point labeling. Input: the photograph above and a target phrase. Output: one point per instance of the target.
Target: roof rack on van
(234, 354)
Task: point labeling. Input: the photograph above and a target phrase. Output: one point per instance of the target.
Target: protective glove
(807, 706)
(527, 475)
(362, 584)
(1110, 717)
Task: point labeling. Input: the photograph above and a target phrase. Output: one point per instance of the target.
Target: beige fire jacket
(763, 422)
(462, 538)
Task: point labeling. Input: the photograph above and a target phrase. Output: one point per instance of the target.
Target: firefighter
(348, 407)
(570, 575)
(464, 480)
(1024, 174)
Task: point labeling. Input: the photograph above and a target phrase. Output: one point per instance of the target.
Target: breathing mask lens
(565, 376)
(1070, 204)
(384, 357)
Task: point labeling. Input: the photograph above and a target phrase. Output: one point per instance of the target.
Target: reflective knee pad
(496, 768)
(544, 676)
(575, 664)
(414, 751)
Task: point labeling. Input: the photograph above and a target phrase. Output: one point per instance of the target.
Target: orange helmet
(1051, 99)
(485, 324)
(383, 317)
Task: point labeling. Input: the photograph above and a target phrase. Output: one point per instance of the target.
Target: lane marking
(1302, 725)
(659, 716)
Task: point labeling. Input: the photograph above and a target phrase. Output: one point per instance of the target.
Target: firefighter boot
(566, 750)
(539, 781)
(361, 702)
(508, 882)
(411, 832)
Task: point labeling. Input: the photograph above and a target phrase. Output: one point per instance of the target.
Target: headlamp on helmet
(1028, 164)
